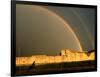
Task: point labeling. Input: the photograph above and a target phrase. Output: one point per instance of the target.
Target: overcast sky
(46, 29)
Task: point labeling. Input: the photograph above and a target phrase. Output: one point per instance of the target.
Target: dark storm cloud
(82, 20)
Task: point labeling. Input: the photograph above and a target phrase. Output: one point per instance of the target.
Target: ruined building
(65, 56)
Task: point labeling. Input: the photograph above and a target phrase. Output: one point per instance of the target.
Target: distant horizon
(53, 54)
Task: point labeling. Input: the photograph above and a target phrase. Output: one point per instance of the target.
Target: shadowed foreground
(56, 68)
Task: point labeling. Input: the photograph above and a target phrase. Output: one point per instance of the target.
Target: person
(32, 66)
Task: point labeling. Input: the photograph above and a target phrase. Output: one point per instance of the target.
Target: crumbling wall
(66, 56)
